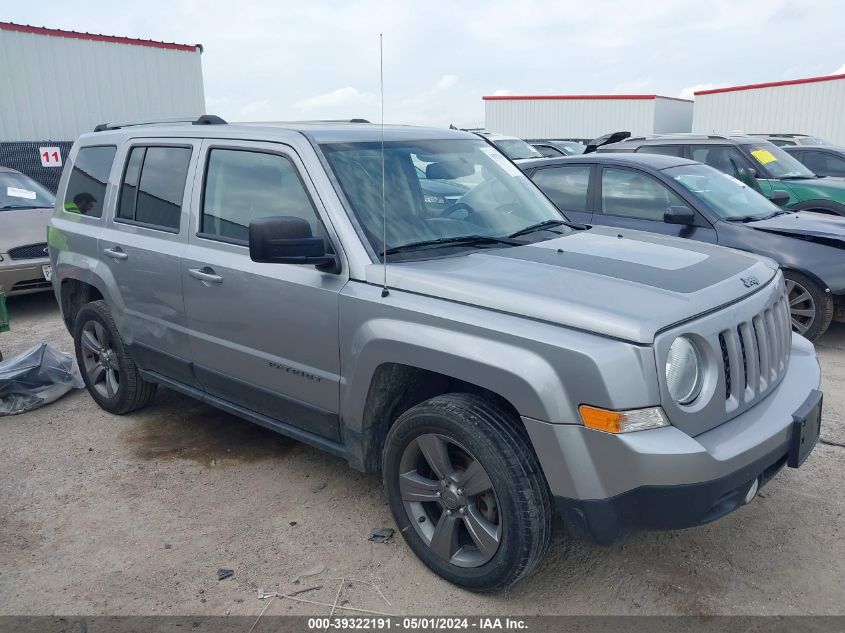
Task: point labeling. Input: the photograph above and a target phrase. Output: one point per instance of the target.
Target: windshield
(495, 198)
(776, 162)
(516, 149)
(572, 148)
(22, 192)
(727, 196)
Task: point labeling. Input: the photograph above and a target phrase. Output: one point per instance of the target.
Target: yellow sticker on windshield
(764, 156)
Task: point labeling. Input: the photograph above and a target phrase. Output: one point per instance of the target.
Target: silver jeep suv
(495, 361)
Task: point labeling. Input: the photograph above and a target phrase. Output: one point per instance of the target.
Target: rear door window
(666, 150)
(153, 186)
(565, 185)
(86, 186)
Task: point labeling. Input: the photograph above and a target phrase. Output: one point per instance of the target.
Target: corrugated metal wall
(59, 87)
(25, 158)
(672, 116)
(816, 108)
(583, 118)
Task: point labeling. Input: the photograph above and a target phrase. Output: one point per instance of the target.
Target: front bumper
(23, 276)
(663, 478)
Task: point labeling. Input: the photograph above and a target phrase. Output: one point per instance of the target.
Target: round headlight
(684, 371)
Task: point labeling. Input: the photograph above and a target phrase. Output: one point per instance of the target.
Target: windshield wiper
(20, 206)
(458, 240)
(545, 224)
(777, 213)
(797, 177)
(748, 218)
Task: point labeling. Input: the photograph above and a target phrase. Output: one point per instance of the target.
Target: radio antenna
(384, 290)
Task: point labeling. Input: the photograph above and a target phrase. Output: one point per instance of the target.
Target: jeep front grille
(32, 251)
(755, 354)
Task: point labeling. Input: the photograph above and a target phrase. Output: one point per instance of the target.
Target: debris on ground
(38, 376)
(224, 573)
(319, 568)
(305, 590)
(167, 546)
(382, 535)
(319, 486)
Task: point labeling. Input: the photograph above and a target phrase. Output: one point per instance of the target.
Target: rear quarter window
(86, 186)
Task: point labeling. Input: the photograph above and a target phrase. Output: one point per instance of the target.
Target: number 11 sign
(50, 156)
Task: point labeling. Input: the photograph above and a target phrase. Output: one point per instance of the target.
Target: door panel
(144, 258)
(264, 336)
(635, 200)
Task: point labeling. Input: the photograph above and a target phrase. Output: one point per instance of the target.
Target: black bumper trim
(666, 507)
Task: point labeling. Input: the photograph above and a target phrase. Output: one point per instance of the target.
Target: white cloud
(446, 82)
(502, 92)
(689, 91)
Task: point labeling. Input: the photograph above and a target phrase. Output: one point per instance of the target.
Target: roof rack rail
(205, 119)
(331, 121)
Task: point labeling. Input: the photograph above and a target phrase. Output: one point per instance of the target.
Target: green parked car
(756, 162)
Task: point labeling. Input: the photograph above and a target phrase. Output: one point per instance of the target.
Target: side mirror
(286, 240)
(779, 197)
(679, 215)
(752, 173)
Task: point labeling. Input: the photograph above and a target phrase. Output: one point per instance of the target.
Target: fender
(519, 376)
(544, 372)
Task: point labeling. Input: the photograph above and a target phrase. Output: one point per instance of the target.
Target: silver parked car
(493, 360)
(25, 210)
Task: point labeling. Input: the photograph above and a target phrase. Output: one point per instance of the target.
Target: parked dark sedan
(675, 196)
(822, 160)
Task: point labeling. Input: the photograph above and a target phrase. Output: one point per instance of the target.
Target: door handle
(205, 274)
(116, 253)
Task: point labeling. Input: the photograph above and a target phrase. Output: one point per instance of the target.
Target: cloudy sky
(280, 60)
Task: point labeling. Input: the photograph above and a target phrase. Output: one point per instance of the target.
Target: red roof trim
(771, 84)
(576, 97)
(114, 39)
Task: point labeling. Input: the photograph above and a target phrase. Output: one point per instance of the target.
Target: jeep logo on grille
(749, 281)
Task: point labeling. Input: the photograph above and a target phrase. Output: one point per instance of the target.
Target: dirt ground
(134, 515)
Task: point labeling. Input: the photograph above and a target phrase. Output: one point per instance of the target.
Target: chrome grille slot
(755, 354)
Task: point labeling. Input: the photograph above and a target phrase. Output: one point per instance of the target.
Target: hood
(628, 287)
(820, 227)
(834, 187)
(21, 227)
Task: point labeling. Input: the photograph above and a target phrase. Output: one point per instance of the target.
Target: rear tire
(811, 308)
(494, 509)
(108, 370)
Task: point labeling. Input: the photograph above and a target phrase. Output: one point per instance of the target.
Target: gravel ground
(134, 515)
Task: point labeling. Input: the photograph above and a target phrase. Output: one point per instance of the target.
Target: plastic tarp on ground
(38, 376)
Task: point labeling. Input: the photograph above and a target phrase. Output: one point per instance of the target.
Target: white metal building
(585, 116)
(58, 84)
(814, 106)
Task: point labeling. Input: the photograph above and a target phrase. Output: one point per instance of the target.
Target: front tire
(108, 370)
(466, 491)
(810, 307)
